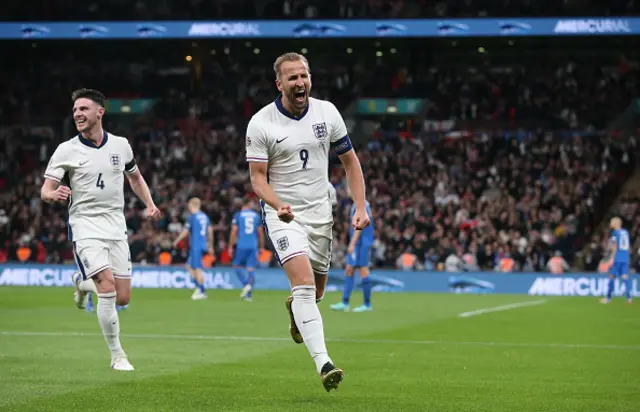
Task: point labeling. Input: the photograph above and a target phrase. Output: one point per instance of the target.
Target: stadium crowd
(68, 10)
(481, 198)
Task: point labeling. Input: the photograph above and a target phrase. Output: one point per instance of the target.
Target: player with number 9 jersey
(287, 147)
(297, 150)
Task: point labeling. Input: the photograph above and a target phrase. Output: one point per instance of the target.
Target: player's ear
(100, 112)
(279, 85)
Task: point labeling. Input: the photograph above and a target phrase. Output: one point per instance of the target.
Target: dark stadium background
(522, 148)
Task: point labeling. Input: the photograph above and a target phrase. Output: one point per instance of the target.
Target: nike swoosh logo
(304, 322)
(282, 140)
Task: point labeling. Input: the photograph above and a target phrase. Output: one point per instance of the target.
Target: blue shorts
(246, 257)
(195, 258)
(619, 269)
(360, 257)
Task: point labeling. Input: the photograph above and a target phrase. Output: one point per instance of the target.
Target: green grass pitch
(413, 353)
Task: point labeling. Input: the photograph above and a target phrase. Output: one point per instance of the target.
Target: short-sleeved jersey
(333, 195)
(248, 222)
(297, 152)
(95, 176)
(367, 236)
(198, 226)
(620, 238)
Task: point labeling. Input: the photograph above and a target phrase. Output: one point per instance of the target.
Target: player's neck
(289, 107)
(94, 135)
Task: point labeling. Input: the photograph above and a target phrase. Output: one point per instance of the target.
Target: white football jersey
(95, 176)
(297, 153)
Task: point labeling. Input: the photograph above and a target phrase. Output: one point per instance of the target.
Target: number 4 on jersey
(100, 182)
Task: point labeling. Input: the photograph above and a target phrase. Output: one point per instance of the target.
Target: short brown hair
(91, 94)
(288, 57)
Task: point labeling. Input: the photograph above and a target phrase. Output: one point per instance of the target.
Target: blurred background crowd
(516, 157)
(68, 10)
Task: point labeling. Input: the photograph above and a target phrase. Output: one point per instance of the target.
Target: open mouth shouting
(300, 97)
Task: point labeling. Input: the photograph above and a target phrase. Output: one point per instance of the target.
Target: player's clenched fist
(60, 194)
(153, 213)
(360, 219)
(285, 214)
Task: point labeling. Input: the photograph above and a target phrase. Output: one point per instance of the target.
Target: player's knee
(624, 277)
(123, 299)
(299, 271)
(611, 277)
(349, 270)
(364, 272)
(105, 283)
(319, 291)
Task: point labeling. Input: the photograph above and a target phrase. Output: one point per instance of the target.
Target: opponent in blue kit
(245, 242)
(200, 232)
(618, 258)
(359, 254)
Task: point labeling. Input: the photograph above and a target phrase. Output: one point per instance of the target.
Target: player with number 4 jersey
(88, 171)
(287, 145)
(618, 261)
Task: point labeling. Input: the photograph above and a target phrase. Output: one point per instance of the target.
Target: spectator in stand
(488, 193)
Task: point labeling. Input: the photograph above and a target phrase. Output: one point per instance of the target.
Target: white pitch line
(340, 340)
(501, 308)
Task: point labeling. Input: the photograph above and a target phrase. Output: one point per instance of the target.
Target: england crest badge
(320, 131)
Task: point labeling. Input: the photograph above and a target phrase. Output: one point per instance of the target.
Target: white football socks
(309, 322)
(109, 323)
(88, 286)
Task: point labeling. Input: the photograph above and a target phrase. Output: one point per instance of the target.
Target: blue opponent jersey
(248, 222)
(367, 236)
(198, 227)
(622, 241)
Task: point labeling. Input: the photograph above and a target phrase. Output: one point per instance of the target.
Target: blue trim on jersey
(79, 262)
(92, 145)
(285, 112)
(266, 229)
(342, 146)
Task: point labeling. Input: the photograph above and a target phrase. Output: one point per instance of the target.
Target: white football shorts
(94, 255)
(294, 239)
